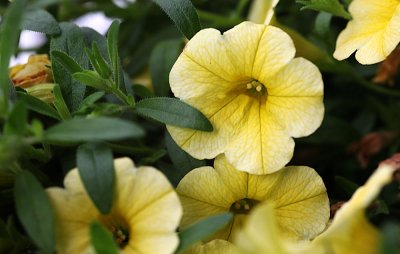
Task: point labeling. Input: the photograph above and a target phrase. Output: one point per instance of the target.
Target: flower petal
(213, 247)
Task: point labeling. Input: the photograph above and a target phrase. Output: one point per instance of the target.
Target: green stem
(123, 97)
(240, 7)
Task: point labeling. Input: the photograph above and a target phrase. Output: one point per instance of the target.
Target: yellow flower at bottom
(298, 194)
(350, 231)
(145, 214)
(374, 31)
(252, 89)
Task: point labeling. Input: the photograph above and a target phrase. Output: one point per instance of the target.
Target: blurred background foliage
(361, 125)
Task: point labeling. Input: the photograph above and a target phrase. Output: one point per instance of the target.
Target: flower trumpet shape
(145, 213)
(299, 195)
(256, 95)
(350, 231)
(374, 31)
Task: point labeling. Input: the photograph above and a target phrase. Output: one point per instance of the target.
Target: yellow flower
(254, 93)
(145, 213)
(298, 193)
(374, 31)
(350, 231)
(214, 247)
(36, 71)
(262, 11)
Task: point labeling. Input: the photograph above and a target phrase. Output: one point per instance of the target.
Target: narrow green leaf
(162, 59)
(43, 3)
(102, 241)
(40, 20)
(183, 14)
(92, 129)
(34, 211)
(66, 61)
(174, 112)
(17, 120)
(34, 104)
(91, 99)
(182, 161)
(331, 6)
(60, 104)
(112, 44)
(104, 68)
(201, 230)
(142, 91)
(11, 19)
(96, 168)
(92, 79)
(73, 91)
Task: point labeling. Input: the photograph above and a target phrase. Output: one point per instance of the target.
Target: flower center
(243, 206)
(118, 228)
(255, 87)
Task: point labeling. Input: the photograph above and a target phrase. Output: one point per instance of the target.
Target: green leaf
(73, 91)
(98, 62)
(174, 112)
(333, 7)
(66, 61)
(39, 20)
(112, 44)
(34, 211)
(43, 3)
(202, 230)
(60, 104)
(102, 241)
(17, 119)
(91, 99)
(96, 168)
(34, 104)
(142, 91)
(390, 238)
(162, 59)
(182, 161)
(184, 15)
(9, 36)
(91, 129)
(92, 79)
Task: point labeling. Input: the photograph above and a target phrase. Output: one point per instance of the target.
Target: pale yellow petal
(261, 146)
(142, 243)
(350, 231)
(295, 98)
(261, 11)
(213, 247)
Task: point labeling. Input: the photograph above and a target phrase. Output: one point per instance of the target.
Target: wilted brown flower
(388, 69)
(36, 71)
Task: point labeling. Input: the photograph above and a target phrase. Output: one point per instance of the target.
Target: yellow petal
(350, 231)
(213, 247)
(295, 98)
(261, 11)
(374, 31)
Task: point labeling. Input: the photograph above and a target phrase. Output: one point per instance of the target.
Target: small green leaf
(174, 112)
(182, 161)
(39, 20)
(103, 67)
(60, 105)
(201, 230)
(96, 168)
(92, 129)
(73, 91)
(34, 211)
(102, 241)
(92, 79)
(331, 6)
(34, 104)
(91, 99)
(142, 91)
(112, 44)
(17, 119)
(66, 61)
(184, 15)
(9, 35)
(162, 59)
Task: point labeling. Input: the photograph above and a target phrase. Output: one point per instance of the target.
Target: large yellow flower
(350, 231)
(374, 31)
(145, 213)
(298, 194)
(255, 94)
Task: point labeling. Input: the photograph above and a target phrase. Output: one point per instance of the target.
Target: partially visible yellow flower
(145, 213)
(36, 71)
(374, 31)
(298, 193)
(254, 93)
(214, 247)
(350, 231)
(262, 11)
(43, 92)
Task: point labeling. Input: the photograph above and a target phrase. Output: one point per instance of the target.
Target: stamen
(259, 88)
(249, 86)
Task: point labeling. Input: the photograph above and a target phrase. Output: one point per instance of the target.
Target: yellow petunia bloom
(145, 214)
(213, 247)
(374, 31)
(350, 231)
(256, 95)
(299, 195)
